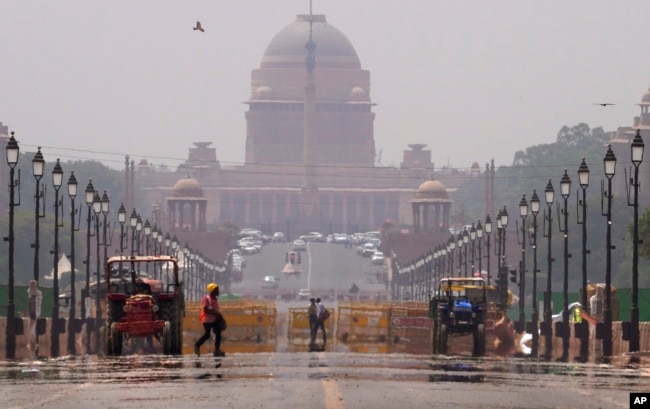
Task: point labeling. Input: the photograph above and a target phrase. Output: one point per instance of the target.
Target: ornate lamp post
(488, 231)
(523, 212)
(459, 245)
(72, 192)
(583, 177)
(565, 190)
(147, 233)
(479, 239)
(466, 246)
(637, 157)
(12, 161)
(503, 267)
(534, 209)
(89, 195)
(57, 180)
(133, 221)
(38, 165)
(138, 230)
(97, 210)
(451, 246)
(610, 169)
(472, 239)
(549, 197)
(121, 218)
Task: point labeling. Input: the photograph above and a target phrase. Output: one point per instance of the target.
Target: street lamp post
(138, 230)
(452, 246)
(38, 165)
(89, 194)
(523, 212)
(121, 219)
(565, 190)
(147, 233)
(549, 197)
(503, 292)
(466, 245)
(472, 239)
(12, 161)
(97, 209)
(637, 157)
(583, 177)
(479, 239)
(534, 209)
(133, 221)
(72, 192)
(610, 169)
(503, 266)
(459, 245)
(57, 180)
(488, 233)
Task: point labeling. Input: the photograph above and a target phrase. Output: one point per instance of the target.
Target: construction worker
(212, 320)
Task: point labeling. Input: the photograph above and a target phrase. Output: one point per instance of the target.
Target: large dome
(333, 49)
(187, 187)
(432, 189)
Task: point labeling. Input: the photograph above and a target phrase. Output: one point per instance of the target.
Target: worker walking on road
(212, 320)
(312, 314)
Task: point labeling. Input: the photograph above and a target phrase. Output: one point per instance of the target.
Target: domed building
(343, 122)
(431, 202)
(310, 161)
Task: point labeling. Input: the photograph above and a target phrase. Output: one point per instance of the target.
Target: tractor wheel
(170, 313)
(436, 337)
(116, 339)
(479, 340)
(167, 338)
(443, 339)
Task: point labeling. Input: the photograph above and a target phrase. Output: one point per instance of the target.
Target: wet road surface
(317, 380)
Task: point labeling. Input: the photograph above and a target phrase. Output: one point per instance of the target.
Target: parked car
(278, 237)
(313, 236)
(299, 245)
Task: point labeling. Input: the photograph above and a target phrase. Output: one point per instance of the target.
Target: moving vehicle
(270, 282)
(299, 245)
(143, 306)
(459, 307)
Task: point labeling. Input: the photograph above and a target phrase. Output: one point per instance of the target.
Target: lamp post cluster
(199, 271)
(562, 329)
(459, 255)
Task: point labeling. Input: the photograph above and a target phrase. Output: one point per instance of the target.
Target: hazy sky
(474, 80)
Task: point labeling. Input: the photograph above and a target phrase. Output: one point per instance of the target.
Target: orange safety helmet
(212, 287)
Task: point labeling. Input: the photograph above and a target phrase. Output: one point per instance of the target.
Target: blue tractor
(459, 307)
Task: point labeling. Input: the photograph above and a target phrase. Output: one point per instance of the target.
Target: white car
(270, 282)
(299, 245)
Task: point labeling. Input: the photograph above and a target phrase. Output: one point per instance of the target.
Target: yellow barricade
(251, 326)
(363, 323)
(410, 328)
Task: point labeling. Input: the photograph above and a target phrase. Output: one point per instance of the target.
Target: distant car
(299, 245)
(313, 236)
(304, 293)
(270, 282)
(278, 237)
(377, 257)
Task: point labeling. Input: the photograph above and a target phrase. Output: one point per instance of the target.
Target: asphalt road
(325, 268)
(316, 380)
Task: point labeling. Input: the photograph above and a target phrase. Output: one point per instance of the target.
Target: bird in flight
(198, 27)
(603, 104)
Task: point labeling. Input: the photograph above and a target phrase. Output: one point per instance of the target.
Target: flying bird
(198, 27)
(603, 104)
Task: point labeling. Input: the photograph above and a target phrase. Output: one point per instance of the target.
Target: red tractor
(144, 299)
